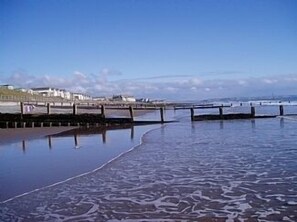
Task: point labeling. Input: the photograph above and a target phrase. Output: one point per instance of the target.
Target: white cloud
(195, 81)
(242, 82)
(171, 89)
(270, 81)
(181, 87)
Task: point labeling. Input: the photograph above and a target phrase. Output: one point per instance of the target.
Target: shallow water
(32, 164)
(212, 170)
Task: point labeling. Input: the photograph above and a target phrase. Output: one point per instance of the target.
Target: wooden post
(131, 113)
(15, 124)
(103, 111)
(281, 110)
(48, 109)
(22, 110)
(74, 109)
(192, 114)
(41, 124)
(6, 124)
(162, 114)
(33, 124)
(253, 111)
(221, 112)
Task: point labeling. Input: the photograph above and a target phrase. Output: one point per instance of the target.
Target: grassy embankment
(18, 96)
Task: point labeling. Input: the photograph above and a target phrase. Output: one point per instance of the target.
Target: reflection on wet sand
(24, 146)
(71, 153)
(76, 133)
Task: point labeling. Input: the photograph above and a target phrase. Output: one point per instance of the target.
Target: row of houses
(62, 93)
(50, 92)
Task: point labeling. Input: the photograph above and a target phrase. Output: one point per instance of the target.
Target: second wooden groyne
(230, 116)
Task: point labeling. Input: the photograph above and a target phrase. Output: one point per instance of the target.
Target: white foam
(269, 211)
(292, 202)
(287, 219)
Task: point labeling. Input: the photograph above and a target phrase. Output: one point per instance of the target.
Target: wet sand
(19, 134)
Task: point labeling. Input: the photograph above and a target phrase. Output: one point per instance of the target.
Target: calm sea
(227, 170)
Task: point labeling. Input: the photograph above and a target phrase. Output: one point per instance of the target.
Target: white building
(123, 98)
(7, 87)
(30, 91)
(52, 92)
(80, 96)
(47, 91)
(100, 98)
(143, 100)
(67, 95)
(62, 93)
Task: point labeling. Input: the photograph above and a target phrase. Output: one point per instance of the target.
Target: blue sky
(165, 49)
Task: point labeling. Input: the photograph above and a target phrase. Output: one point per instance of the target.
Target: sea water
(233, 170)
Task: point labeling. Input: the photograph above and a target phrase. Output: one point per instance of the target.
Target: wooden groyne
(230, 116)
(49, 119)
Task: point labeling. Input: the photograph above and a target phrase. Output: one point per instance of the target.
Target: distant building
(100, 98)
(143, 100)
(123, 98)
(30, 91)
(61, 93)
(158, 101)
(7, 87)
(21, 89)
(66, 94)
(47, 91)
(52, 92)
(80, 96)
